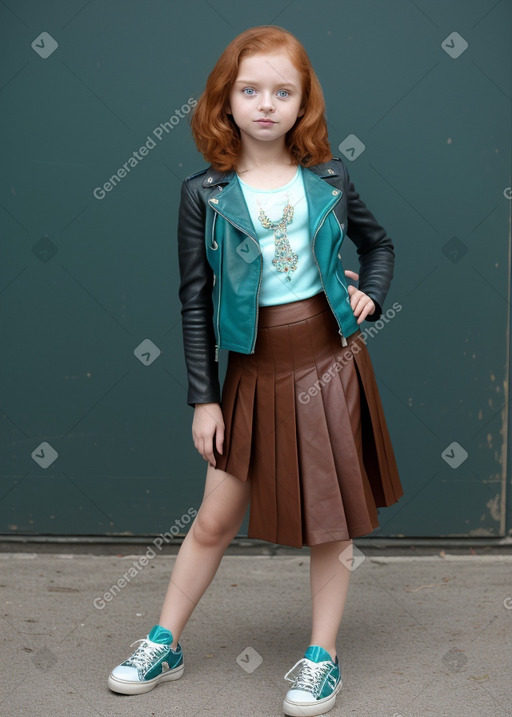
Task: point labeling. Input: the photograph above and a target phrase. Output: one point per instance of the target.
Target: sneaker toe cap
(300, 696)
(126, 673)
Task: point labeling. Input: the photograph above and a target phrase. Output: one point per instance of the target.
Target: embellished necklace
(285, 260)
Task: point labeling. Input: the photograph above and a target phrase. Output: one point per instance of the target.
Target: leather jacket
(221, 264)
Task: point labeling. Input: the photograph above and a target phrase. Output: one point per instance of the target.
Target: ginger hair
(215, 133)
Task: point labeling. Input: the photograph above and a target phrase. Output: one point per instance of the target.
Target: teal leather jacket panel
(221, 264)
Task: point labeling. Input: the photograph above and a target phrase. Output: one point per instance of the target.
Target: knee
(211, 530)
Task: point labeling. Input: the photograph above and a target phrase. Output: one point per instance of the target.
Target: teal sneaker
(315, 685)
(152, 662)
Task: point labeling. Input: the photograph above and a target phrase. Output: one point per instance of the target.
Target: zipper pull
(344, 341)
(216, 352)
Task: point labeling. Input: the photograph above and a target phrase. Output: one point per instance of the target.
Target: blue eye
(248, 91)
(283, 93)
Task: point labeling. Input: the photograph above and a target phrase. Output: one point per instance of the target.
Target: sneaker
(152, 662)
(315, 686)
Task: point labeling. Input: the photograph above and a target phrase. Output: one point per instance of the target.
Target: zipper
(214, 246)
(218, 321)
(344, 341)
(257, 293)
(216, 345)
(257, 308)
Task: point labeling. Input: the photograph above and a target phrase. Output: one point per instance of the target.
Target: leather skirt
(304, 424)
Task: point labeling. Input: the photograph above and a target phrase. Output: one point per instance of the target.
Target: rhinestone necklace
(285, 260)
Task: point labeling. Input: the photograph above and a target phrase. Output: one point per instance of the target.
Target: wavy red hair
(215, 133)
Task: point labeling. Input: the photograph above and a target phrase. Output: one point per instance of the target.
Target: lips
(265, 121)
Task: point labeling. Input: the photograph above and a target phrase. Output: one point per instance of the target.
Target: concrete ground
(423, 634)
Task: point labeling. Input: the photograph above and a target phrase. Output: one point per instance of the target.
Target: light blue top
(305, 279)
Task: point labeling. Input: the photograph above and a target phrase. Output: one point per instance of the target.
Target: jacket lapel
(229, 200)
(321, 198)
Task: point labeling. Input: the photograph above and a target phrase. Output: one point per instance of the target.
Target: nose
(266, 103)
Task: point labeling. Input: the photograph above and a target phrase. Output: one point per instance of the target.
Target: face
(265, 99)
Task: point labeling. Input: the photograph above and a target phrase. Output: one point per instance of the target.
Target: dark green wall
(84, 281)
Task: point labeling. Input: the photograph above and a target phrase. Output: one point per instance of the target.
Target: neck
(263, 155)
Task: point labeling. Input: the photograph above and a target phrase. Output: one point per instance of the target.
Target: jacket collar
(230, 202)
(214, 177)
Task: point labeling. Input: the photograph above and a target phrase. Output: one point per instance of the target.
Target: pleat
(238, 412)
(228, 404)
(324, 515)
(345, 397)
(312, 440)
(288, 491)
(263, 517)
(386, 485)
(241, 442)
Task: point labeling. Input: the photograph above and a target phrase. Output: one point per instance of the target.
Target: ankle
(175, 637)
(331, 650)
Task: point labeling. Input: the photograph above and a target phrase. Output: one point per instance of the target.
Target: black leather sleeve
(375, 249)
(195, 293)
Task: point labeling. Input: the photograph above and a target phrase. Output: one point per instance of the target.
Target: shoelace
(145, 654)
(310, 676)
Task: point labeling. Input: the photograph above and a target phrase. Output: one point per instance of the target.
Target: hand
(360, 302)
(208, 422)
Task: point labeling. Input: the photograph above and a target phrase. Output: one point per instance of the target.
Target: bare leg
(329, 586)
(222, 510)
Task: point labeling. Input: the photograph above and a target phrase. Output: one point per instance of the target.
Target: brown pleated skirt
(304, 424)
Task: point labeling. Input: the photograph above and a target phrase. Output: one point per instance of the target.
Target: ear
(227, 108)
(301, 111)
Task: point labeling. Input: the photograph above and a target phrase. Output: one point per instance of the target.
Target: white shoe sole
(138, 688)
(307, 709)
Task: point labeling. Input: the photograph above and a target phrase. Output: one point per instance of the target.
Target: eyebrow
(277, 84)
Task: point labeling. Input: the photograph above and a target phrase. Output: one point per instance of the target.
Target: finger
(219, 440)
(201, 448)
(364, 313)
(351, 274)
(208, 453)
(357, 301)
(360, 301)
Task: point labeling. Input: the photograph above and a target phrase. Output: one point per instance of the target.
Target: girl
(299, 433)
